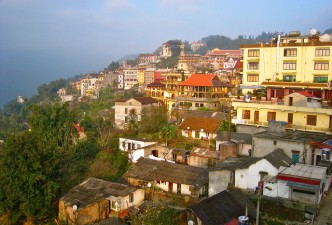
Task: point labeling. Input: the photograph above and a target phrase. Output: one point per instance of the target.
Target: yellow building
(289, 63)
(300, 111)
(140, 75)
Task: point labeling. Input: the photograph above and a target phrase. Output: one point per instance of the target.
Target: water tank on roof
(294, 34)
(312, 32)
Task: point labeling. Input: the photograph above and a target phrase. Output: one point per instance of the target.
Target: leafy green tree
(156, 215)
(133, 121)
(35, 165)
(113, 66)
(224, 126)
(153, 119)
(109, 165)
(169, 132)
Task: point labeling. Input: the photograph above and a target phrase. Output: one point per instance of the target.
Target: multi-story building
(149, 75)
(120, 81)
(160, 74)
(91, 84)
(199, 90)
(140, 74)
(156, 90)
(147, 59)
(289, 63)
(171, 82)
(218, 57)
(123, 108)
(130, 77)
(300, 111)
(166, 50)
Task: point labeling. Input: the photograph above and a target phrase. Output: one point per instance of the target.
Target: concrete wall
(219, 180)
(248, 178)
(185, 189)
(264, 146)
(278, 189)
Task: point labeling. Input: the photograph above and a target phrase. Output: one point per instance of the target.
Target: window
(304, 191)
(289, 66)
(252, 78)
(126, 111)
(131, 197)
(271, 116)
(320, 79)
(246, 114)
(311, 120)
(321, 66)
(253, 53)
(179, 188)
(322, 52)
(256, 117)
(290, 118)
(289, 78)
(253, 66)
(295, 156)
(274, 142)
(290, 52)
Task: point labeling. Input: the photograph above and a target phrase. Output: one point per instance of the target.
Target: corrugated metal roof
(304, 170)
(92, 190)
(150, 170)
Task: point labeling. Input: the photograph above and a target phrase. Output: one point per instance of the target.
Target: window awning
(303, 186)
(251, 87)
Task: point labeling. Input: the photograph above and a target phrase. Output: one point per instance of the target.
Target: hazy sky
(43, 40)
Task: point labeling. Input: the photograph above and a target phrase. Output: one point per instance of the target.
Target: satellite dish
(312, 31)
(74, 207)
(190, 222)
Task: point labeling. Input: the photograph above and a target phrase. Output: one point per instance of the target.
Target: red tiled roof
(238, 65)
(156, 84)
(203, 80)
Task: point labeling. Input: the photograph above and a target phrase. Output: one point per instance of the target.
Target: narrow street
(325, 212)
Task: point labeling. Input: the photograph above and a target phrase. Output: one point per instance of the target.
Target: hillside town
(277, 97)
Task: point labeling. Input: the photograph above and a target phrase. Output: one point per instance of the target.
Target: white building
(124, 107)
(300, 182)
(134, 147)
(245, 173)
(130, 78)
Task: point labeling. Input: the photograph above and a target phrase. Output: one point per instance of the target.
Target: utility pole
(258, 202)
(260, 192)
(229, 121)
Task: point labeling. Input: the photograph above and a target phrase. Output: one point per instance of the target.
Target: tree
(32, 171)
(169, 132)
(156, 215)
(133, 121)
(153, 119)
